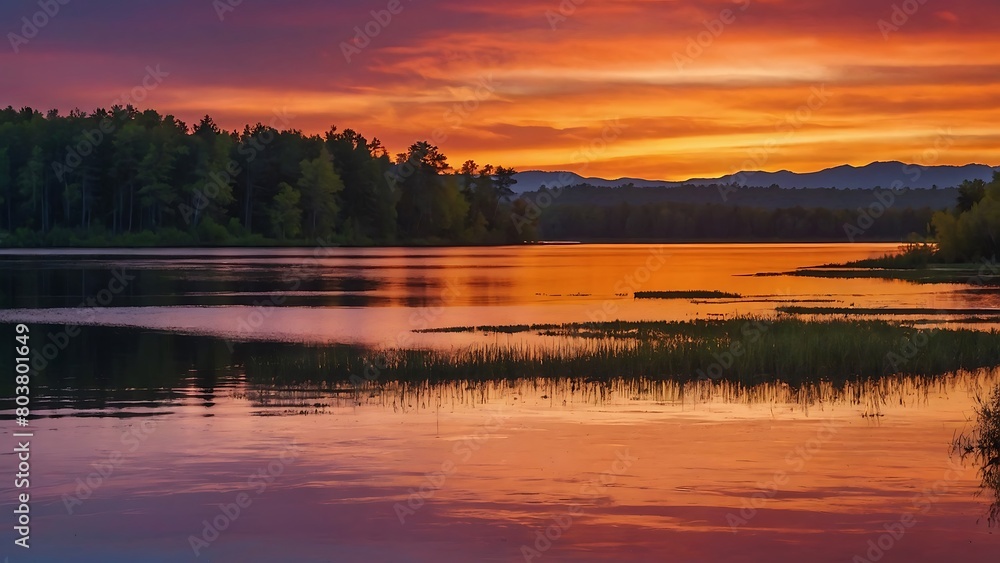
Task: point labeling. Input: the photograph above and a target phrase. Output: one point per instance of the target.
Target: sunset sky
(543, 81)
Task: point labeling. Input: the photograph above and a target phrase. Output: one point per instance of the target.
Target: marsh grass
(889, 311)
(918, 263)
(746, 351)
(939, 274)
(686, 295)
(982, 445)
(912, 256)
(874, 397)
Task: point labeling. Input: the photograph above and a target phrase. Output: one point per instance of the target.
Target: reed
(745, 350)
(686, 295)
(982, 445)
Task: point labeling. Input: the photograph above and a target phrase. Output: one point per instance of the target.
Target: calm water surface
(144, 435)
(375, 296)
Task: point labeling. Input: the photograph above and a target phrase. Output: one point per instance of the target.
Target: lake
(152, 444)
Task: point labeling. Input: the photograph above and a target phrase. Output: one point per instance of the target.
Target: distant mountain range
(875, 174)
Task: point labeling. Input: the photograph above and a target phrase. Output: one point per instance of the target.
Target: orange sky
(597, 89)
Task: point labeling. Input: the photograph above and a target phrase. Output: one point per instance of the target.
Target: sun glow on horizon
(692, 98)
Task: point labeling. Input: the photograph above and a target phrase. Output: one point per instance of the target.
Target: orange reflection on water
(380, 296)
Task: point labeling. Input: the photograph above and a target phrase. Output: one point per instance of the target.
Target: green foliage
(914, 255)
(212, 232)
(211, 191)
(102, 177)
(428, 206)
(368, 203)
(122, 176)
(319, 186)
(6, 185)
(31, 183)
(972, 232)
(970, 192)
(485, 189)
(286, 217)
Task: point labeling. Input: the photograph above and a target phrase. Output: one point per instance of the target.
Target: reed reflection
(981, 445)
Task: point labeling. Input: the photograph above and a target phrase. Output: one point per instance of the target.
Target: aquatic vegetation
(745, 350)
(914, 255)
(873, 396)
(888, 311)
(955, 273)
(686, 295)
(917, 262)
(982, 445)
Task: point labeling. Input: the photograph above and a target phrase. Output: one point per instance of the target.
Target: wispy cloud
(554, 86)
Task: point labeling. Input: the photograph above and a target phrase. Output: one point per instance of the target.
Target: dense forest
(138, 178)
(717, 222)
(971, 231)
(124, 176)
(770, 197)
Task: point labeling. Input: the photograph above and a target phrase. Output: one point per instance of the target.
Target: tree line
(769, 197)
(125, 176)
(722, 222)
(122, 176)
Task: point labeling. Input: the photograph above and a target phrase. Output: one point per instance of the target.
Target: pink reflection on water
(711, 475)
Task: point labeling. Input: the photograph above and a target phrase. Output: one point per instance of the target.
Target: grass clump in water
(917, 262)
(912, 256)
(888, 311)
(746, 350)
(686, 295)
